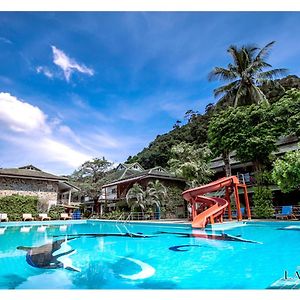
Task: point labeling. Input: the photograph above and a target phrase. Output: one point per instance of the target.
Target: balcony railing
(246, 178)
(141, 216)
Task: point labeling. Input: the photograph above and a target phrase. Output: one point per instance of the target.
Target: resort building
(245, 171)
(125, 176)
(31, 181)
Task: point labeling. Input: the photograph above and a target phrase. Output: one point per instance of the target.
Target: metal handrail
(120, 218)
(128, 217)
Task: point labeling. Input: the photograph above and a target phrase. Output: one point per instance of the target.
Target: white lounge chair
(27, 217)
(43, 217)
(65, 216)
(3, 217)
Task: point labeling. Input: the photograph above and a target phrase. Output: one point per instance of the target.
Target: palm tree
(135, 197)
(245, 75)
(157, 192)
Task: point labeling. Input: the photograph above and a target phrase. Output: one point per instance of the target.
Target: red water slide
(215, 206)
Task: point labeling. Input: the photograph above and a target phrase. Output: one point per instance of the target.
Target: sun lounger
(3, 217)
(286, 212)
(65, 216)
(43, 217)
(27, 217)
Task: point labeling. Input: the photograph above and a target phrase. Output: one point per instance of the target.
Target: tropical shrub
(263, 206)
(55, 211)
(42, 205)
(172, 201)
(113, 215)
(286, 172)
(16, 205)
(157, 194)
(136, 198)
(149, 199)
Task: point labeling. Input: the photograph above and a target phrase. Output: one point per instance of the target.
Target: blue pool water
(107, 255)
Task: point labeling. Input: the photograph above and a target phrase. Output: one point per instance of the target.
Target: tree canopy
(191, 162)
(90, 176)
(286, 113)
(286, 171)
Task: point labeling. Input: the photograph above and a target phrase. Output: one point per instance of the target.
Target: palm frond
(272, 74)
(236, 55)
(257, 66)
(226, 88)
(221, 74)
(265, 51)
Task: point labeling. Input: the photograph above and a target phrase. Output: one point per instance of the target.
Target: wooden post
(227, 197)
(237, 202)
(70, 195)
(194, 213)
(247, 203)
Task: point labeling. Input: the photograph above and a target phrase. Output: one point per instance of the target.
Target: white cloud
(29, 136)
(5, 40)
(26, 129)
(105, 140)
(69, 65)
(20, 116)
(61, 152)
(45, 71)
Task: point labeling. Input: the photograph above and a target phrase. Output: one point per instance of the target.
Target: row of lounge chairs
(40, 217)
(286, 212)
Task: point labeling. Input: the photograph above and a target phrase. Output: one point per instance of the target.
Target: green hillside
(157, 153)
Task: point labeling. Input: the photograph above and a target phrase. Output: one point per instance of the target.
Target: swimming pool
(110, 255)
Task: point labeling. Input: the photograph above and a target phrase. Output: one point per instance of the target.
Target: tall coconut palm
(245, 74)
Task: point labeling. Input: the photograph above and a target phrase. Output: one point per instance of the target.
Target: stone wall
(44, 190)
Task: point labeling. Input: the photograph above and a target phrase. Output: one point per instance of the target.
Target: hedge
(17, 205)
(263, 206)
(55, 211)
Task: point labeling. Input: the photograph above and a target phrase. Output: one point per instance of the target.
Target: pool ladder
(122, 217)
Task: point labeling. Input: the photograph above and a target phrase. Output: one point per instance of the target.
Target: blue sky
(79, 85)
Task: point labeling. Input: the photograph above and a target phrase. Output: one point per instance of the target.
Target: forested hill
(195, 131)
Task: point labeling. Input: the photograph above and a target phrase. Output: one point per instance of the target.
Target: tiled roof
(120, 174)
(154, 172)
(30, 173)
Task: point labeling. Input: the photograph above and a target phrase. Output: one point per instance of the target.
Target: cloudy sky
(74, 86)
